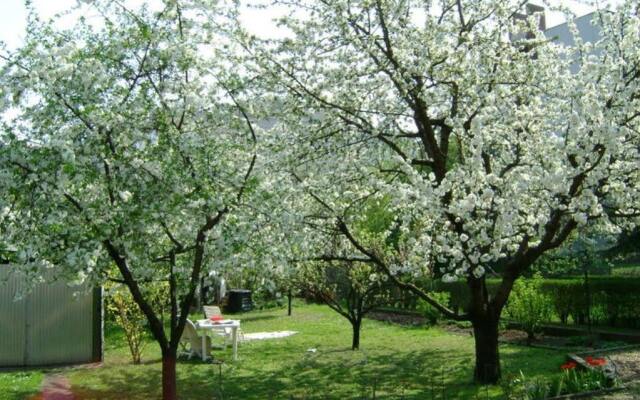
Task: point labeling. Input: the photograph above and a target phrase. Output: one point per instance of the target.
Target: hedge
(615, 301)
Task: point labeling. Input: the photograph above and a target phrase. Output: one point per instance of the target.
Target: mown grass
(394, 362)
(19, 384)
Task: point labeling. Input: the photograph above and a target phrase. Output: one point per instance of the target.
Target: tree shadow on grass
(121, 385)
(345, 374)
(196, 380)
(334, 373)
(427, 374)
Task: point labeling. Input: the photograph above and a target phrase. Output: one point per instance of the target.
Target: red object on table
(216, 318)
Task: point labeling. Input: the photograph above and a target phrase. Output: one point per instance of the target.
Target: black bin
(239, 300)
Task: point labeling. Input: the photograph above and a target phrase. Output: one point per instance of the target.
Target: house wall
(588, 32)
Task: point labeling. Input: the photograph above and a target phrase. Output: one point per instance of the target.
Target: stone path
(267, 335)
(56, 387)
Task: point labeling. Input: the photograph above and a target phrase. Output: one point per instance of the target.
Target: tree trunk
(289, 302)
(169, 386)
(530, 338)
(485, 332)
(355, 342)
(587, 293)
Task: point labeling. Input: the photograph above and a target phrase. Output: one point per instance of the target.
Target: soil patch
(565, 343)
(562, 343)
(56, 387)
(401, 319)
(513, 336)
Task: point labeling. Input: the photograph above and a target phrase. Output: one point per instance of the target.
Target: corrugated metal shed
(12, 332)
(53, 324)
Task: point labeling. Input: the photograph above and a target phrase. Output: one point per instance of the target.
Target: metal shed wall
(12, 331)
(53, 324)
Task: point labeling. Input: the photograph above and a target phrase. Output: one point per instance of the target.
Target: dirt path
(56, 387)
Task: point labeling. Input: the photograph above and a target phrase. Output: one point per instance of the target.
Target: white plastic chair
(191, 342)
(211, 311)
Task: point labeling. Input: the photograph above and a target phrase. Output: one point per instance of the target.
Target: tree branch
(404, 285)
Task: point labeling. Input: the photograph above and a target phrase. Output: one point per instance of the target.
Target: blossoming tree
(469, 126)
(349, 287)
(127, 154)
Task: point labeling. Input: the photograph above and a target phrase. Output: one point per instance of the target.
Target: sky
(13, 16)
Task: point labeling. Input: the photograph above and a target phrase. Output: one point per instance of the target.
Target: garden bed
(586, 344)
(547, 341)
(607, 334)
(624, 361)
(411, 319)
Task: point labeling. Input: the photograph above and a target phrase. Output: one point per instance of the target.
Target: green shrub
(577, 381)
(571, 381)
(529, 305)
(550, 266)
(615, 301)
(131, 319)
(125, 312)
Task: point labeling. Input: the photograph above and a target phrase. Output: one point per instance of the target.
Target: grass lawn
(394, 361)
(20, 384)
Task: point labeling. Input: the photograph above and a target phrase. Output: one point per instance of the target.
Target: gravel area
(628, 369)
(627, 365)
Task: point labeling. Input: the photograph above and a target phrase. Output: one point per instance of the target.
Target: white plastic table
(207, 325)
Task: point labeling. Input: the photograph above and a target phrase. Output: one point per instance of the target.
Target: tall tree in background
(487, 151)
(129, 149)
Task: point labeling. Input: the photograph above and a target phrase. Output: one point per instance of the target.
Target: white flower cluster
(484, 153)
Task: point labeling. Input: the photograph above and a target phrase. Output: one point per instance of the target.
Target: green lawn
(19, 385)
(396, 361)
